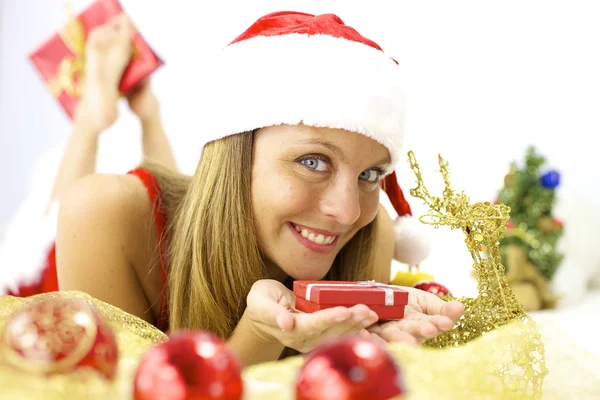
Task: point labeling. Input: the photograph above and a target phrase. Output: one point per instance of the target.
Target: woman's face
(312, 190)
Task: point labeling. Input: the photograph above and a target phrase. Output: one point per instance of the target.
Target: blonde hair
(213, 257)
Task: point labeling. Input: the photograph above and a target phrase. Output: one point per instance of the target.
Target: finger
(285, 316)
(273, 313)
(441, 322)
(373, 337)
(453, 310)
(284, 320)
(318, 322)
(393, 331)
(393, 335)
(431, 304)
(361, 318)
(364, 315)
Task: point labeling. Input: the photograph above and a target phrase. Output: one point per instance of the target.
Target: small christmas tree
(530, 193)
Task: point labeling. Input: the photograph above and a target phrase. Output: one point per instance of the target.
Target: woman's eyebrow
(385, 163)
(338, 152)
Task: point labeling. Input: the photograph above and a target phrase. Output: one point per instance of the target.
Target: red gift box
(386, 300)
(61, 59)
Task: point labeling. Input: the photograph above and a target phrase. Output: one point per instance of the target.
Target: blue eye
(315, 164)
(370, 175)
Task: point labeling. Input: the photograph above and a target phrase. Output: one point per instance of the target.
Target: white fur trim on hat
(413, 243)
(317, 80)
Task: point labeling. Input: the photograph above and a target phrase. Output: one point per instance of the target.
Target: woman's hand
(270, 308)
(425, 317)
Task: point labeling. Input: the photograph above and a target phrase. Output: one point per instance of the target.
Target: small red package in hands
(386, 300)
(61, 59)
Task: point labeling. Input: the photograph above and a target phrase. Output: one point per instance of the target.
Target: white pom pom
(413, 242)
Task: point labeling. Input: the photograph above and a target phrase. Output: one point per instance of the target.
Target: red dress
(48, 281)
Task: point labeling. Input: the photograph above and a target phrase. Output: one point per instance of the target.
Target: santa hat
(292, 68)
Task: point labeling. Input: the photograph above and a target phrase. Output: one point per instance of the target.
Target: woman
(287, 188)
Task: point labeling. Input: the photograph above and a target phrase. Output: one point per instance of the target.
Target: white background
(484, 80)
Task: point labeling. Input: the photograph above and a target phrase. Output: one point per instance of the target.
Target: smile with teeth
(314, 237)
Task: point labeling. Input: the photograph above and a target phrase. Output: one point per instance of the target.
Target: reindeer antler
(421, 191)
(447, 210)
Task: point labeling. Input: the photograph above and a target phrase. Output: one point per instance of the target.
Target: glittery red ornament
(349, 369)
(433, 287)
(190, 366)
(58, 335)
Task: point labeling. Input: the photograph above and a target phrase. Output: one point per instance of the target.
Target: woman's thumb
(272, 308)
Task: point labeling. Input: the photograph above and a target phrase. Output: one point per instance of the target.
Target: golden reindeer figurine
(483, 225)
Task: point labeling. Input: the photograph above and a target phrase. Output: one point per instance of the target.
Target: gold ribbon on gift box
(69, 76)
(70, 70)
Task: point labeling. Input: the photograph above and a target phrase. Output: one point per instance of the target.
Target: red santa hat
(292, 68)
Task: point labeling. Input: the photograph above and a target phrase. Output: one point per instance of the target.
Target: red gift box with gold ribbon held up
(61, 59)
(386, 300)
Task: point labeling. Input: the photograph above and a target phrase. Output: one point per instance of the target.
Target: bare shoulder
(104, 221)
(105, 195)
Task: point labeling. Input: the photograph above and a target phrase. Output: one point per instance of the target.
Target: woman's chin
(301, 274)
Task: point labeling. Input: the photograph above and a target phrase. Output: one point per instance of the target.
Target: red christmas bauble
(349, 369)
(190, 366)
(58, 335)
(433, 287)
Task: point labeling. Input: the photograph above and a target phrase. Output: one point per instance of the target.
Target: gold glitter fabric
(495, 350)
(133, 335)
(469, 371)
(477, 370)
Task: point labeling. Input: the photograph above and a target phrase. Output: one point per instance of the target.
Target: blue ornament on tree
(550, 179)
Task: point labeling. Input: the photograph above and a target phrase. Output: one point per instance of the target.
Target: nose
(341, 200)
